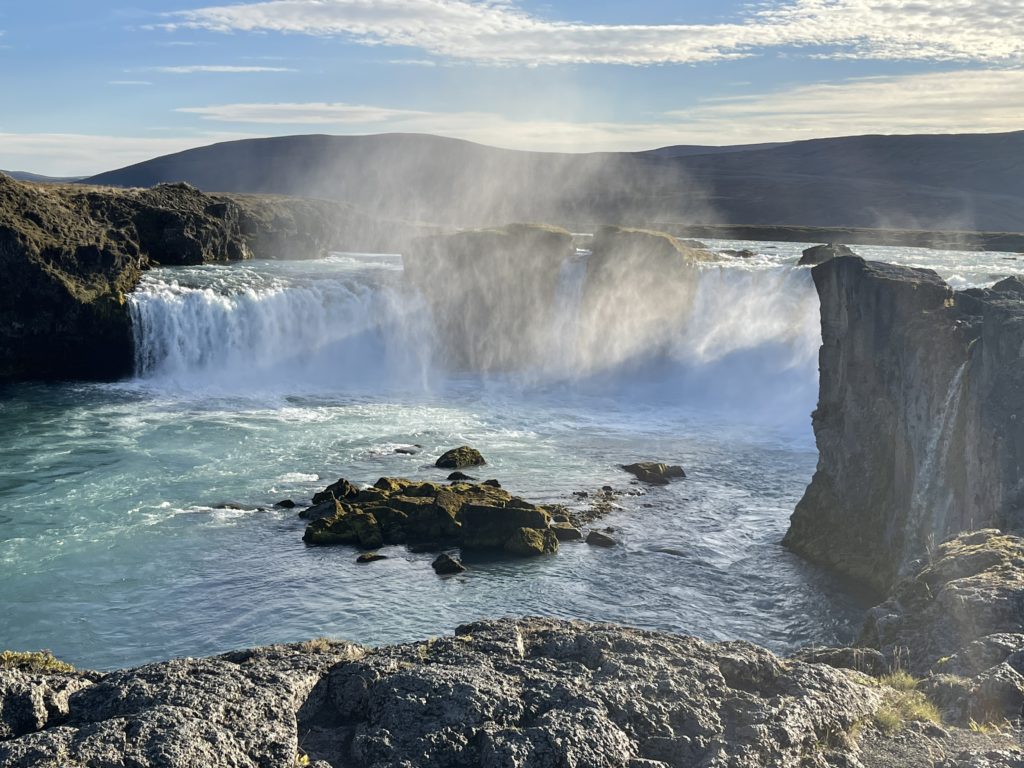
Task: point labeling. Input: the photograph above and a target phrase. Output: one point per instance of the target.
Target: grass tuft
(33, 661)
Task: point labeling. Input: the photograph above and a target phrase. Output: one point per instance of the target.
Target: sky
(92, 86)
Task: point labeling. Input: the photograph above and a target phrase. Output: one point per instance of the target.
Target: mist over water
(263, 381)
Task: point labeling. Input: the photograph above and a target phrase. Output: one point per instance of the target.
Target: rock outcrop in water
(819, 254)
(638, 291)
(919, 421)
(398, 511)
(491, 292)
(71, 254)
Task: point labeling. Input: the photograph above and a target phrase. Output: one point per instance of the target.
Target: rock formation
(491, 292)
(638, 291)
(71, 254)
(819, 254)
(398, 511)
(918, 423)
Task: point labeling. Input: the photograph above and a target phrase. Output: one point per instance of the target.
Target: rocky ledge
(71, 254)
(919, 420)
(935, 683)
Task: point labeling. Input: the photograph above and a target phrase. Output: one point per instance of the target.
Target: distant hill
(967, 181)
(26, 176)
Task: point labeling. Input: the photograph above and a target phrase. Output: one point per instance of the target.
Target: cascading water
(739, 335)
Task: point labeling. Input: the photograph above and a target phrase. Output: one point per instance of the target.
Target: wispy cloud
(501, 32)
(129, 82)
(221, 68)
(72, 154)
(975, 100)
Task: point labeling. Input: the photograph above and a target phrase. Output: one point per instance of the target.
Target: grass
(989, 728)
(33, 661)
(905, 704)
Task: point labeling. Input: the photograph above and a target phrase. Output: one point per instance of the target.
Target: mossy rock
(566, 532)
(342, 490)
(393, 484)
(458, 458)
(325, 510)
(354, 527)
(531, 542)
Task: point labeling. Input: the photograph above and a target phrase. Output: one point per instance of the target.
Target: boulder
(285, 504)
(350, 526)
(458, 458)
(370, 557)
(654, 473)
(598, 539)
(565, 531)
(325, 509)
(342, 490)
(819, 254)
(456, 477)
(445, 564)
(529, 542)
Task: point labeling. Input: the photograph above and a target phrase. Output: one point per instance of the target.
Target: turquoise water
(270, 380)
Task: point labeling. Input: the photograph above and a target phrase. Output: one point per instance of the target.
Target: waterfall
(732, 335)
(932, 499)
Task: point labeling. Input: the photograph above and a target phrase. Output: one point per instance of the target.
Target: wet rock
(743, 253)
(325, 509)
(530, 542)
(232, 505)
(342, 490)
(285, 504)
(457, 477)
(819, 254)
(598, 539)
(370, 557)
(445, 564)
(653, 472)
(565, 531)
(407, 451)
(458, 458)
(350, 526)
(492, 483)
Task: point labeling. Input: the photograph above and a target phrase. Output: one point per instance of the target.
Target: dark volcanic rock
(458, 458)
(917, 425)
(370, 557)
(459, 477)
(819, 254)
(446, 564)
(653, 472)
(517, 693)
(598, 539)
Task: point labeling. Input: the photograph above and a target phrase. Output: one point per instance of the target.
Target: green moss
(33, 661)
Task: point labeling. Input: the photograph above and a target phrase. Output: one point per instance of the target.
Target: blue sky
(91, 86)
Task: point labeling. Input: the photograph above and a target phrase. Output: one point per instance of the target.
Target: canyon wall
(918, 423)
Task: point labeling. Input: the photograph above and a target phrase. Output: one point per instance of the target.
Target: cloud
(71, 154)
(974, 100)
(500, 32)
(129, 82)
(193, 68)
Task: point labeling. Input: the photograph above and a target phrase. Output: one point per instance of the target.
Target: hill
(964, 182)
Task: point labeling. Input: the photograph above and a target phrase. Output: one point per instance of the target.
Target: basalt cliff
(70, 255)
(920, 418)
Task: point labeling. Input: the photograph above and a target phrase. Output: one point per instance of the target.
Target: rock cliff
(70, 255)
(918, 422)
(491, 292)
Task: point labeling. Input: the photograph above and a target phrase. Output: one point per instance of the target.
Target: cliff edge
(918, 420)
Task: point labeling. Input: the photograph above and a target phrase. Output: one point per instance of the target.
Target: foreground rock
(70, 255)
(918, 424)
(399, 511)
(492, 292)
(526, 693)
(819, 254)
